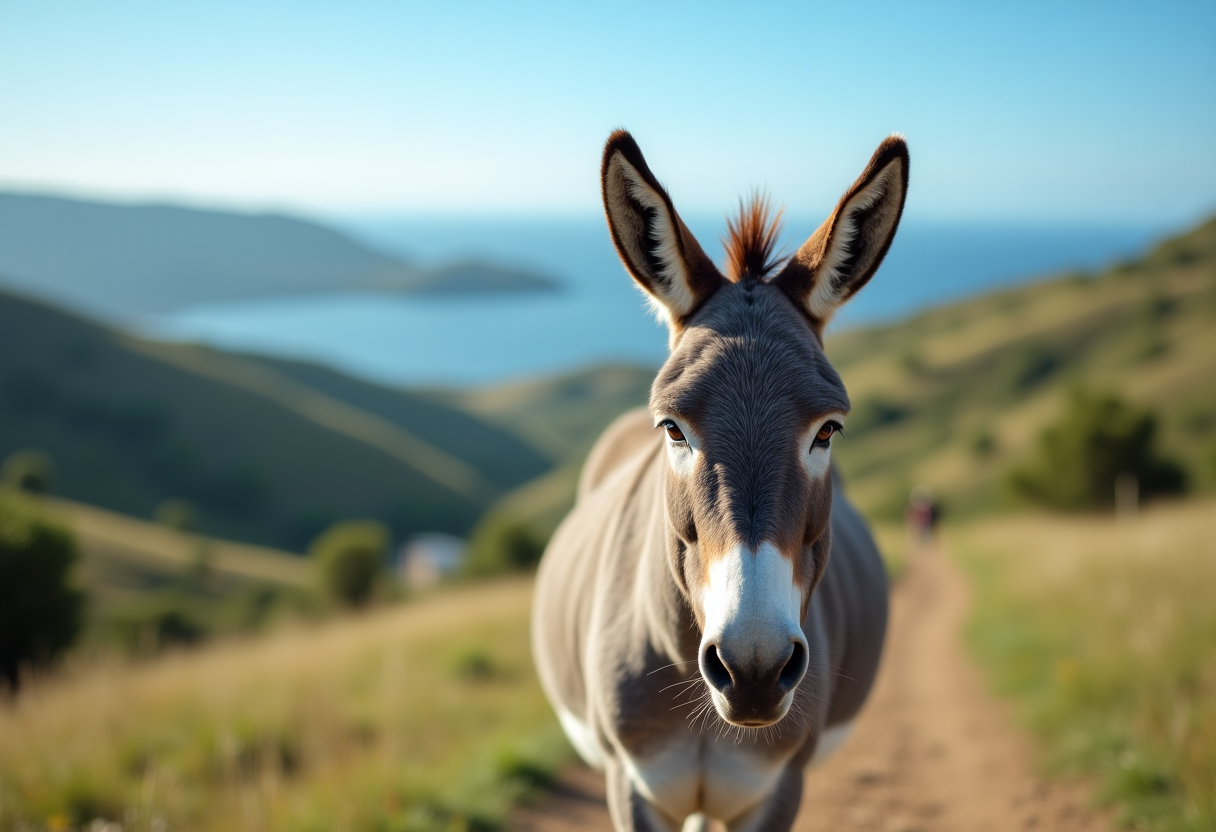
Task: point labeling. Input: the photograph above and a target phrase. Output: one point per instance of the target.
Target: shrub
(28, 470)
(349, 558)
(40, 613)
(503, 543)
(1079, 458)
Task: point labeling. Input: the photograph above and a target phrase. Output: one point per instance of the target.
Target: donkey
(709, 617)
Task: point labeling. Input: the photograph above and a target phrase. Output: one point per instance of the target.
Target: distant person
(922, 515)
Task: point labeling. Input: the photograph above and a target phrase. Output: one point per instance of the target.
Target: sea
(597, 316)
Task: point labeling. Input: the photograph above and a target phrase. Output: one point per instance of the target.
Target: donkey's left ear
(843, 254)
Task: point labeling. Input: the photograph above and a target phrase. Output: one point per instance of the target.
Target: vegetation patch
(421, 717)
(1102, 632)
(1080, 459)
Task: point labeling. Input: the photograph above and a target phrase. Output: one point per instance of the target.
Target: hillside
(263, 454)
(953, 397)
(148, 582)
(123, 259)
(564, 414)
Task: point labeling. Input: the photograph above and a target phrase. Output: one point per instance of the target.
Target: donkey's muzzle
(750, 691)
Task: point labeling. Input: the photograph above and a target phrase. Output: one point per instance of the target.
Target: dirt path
(931, 753)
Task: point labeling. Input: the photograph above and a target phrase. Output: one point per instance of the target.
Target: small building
(426, 559)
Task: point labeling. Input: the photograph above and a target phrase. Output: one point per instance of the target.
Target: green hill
(954, 396)
(268, 452)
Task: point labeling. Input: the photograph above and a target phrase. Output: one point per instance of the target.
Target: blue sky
(1080, 112)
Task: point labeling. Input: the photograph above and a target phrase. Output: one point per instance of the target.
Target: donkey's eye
(824, 437)
(673, 431)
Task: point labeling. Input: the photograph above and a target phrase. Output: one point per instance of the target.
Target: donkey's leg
(629, 810)
(777, 812)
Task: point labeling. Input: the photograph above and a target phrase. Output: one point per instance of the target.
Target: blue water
(598, 316)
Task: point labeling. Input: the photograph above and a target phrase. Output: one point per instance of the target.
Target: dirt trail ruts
(932, 752)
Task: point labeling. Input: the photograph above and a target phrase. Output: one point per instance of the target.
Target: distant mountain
(122, 259)
(267, 451)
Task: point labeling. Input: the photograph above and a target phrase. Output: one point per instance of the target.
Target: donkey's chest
(717, 776)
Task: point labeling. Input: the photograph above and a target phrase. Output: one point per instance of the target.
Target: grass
(149, 585)
(1104, 633)
(893, 544)
(423, 717)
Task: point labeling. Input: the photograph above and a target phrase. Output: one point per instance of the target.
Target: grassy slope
(563, 415)
(926, 390)
(267, 456)
(122, 559)
(422, 717)
(1103, 632)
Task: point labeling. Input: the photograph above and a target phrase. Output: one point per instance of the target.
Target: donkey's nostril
(714, 670)
(794, 668)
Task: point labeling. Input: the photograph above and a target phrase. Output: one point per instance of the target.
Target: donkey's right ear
(657, 248)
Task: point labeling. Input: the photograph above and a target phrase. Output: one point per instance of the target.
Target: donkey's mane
(750, 240)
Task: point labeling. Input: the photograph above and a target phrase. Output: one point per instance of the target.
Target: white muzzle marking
(752, 606)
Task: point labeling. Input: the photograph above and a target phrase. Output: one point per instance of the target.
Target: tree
(349, 558)
(40, 612)
(502, 543)
(1098, 438)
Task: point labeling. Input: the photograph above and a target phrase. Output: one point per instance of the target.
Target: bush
(1078, 459)
(40, 613)
(349, 558)
(503, 543)
(28, 470)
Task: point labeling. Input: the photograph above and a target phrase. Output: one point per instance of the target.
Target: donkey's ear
(657, 248)
(843, 254)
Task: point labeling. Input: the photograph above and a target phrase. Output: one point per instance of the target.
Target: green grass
(423, 717)
(1102, 632)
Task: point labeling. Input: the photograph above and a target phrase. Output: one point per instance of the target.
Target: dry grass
(420, 717)
(1105, 633)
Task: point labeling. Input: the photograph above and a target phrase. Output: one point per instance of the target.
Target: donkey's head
(749, 405)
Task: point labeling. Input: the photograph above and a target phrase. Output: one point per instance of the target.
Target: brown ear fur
(658, 250)
(843, 253)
